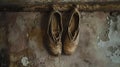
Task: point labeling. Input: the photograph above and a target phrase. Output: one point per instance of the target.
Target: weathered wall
(26, 34)
(23, 37)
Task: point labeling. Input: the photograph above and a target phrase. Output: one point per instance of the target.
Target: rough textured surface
(112, 46)
(27, 40)
(44, 1)
(23, 39)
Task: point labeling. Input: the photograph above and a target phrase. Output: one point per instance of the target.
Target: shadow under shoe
(55, 32)
(72, 35)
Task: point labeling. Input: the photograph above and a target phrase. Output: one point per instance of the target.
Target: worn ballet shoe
(54, 32)
(72, 34)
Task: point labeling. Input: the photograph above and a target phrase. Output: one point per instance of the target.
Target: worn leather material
(72, 36)
(55, 32)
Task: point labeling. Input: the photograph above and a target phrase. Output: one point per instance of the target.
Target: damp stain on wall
(112, 46)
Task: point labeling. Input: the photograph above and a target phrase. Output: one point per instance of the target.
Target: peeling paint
(111, 46)
(25, 61)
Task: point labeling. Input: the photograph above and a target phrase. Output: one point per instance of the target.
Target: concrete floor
(26, 39)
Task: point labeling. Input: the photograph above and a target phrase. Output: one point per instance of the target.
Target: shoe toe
(69, 49)
(55, 49)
